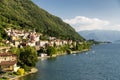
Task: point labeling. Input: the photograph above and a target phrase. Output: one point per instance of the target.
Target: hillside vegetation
(24, 14)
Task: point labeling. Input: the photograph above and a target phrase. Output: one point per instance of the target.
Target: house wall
(16, 68)
(7, 58)
(7, 68)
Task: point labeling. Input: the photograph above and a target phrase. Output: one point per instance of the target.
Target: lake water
(102, 62)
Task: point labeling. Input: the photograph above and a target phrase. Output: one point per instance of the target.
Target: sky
(85, 14)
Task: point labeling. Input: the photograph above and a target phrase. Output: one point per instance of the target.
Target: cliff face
(25, 14)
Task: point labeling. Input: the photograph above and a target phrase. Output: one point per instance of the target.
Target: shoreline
(76, 52)
(33, 70)
(72, 52)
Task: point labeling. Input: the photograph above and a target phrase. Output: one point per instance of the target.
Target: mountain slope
(101, 35)
(25, 14)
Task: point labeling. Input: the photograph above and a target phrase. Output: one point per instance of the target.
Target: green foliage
(3, 35)
(44, 37)
(15, 50)
(68, 51)
(24, 14)
(27, 68)
(3, 44)
(64, 49)
(83, 46)
(21, 71)
(94, 42)
(15, 73)
(27, 56)
(42, 50)
(51, 50)
(0, 37)
(4, 78)
(79, 47)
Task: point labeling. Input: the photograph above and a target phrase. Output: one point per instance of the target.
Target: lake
(102, 62)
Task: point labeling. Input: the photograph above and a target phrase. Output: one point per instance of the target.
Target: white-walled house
(43, 43)
(58, 42)
(8, 62)
(31, 44)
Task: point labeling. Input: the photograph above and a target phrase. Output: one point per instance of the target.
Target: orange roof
(7, 54)
(8, 63)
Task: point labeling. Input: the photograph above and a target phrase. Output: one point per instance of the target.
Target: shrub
(21, 71)
(68, 51)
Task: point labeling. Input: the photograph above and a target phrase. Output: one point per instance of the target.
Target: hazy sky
(85, 14)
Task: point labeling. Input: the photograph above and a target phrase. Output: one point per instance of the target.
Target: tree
(28, 56)
(79, 47)
(15, 50)
(68, 51)
(0, 37)
(51, 50)
(3, 34)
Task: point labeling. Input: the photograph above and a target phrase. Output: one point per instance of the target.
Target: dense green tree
(0, 37)
(3, 34)
(28, 56)
(51, 50)
(79, 47)
(68, 51)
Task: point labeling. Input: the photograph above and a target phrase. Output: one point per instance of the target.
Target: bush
(28, 56)
(21, 71)
(27, 68)
(4, 78)
(68, 51)
(51, 51)
(15, 73)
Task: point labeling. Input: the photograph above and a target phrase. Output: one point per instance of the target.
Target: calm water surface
(101, 63)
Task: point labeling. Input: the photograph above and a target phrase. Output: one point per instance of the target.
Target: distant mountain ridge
(101, 35)
(25, 14)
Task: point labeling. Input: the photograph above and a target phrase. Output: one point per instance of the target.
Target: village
(21, 38)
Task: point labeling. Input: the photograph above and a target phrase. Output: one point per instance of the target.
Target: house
(43, 43)
(58, 42)
(8, 62)
(43, 55)
(64, 42)
(32, 43)
(4, 49)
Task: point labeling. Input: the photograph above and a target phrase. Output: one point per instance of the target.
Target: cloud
(85, 23)
(115, 27)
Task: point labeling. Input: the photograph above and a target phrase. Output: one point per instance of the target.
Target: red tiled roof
(8, 63)
(7, 54)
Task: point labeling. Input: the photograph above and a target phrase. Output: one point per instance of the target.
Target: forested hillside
(24, 14)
